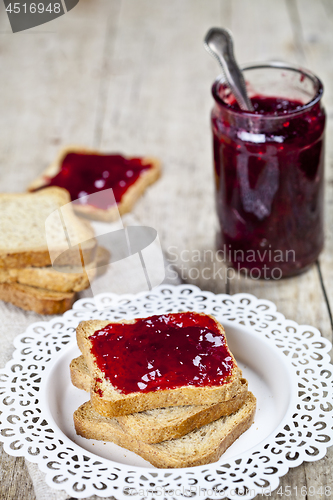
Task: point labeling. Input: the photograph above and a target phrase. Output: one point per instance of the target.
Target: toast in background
(46, 277)
(62, 280)
(36, 299)
(149, 173)
(22, 227)
(27, 278)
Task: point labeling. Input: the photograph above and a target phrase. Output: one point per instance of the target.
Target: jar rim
(276, 65)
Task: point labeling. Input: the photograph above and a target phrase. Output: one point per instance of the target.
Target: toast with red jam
(83, 172)
(178, 359)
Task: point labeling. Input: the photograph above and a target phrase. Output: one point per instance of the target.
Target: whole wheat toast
(64, 279)
(160, 424)
(109, 401)
(200, 446)
(36, 299)
(22, 226)
(127, 201)
(46, 277)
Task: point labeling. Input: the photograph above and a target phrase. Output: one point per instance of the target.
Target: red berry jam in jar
(269, 172)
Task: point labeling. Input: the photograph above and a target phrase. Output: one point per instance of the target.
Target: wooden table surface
(133, 76)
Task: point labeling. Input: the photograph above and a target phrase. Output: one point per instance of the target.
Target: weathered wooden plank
(299, 298)
(319, 50)
(15, 481)
(317, 24)
(318, 39)
(262, 31)
(50, 95)
(159, 103)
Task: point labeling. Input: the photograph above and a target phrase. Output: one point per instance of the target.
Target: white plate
(264, 366)
(277, 356)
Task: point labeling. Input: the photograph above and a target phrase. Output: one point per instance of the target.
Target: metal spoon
(219, 44)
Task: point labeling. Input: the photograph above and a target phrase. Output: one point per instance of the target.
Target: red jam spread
(86, 173)
(269, 185)
(162, 352)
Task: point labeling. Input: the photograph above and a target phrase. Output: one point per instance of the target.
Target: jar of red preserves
(269, 167)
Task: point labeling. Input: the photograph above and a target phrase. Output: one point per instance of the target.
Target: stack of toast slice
(172, 426)
(27, 278)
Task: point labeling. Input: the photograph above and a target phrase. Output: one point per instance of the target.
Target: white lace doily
(303, 435)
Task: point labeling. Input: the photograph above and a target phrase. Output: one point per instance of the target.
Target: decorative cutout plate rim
(304, 434)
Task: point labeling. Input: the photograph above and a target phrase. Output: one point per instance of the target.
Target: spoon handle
(218, 42)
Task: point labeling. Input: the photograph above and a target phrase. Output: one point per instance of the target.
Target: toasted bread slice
(110, 401)
(22, 226)
(154, 426)
(61, 280)
(128, 199)
(46, 277)
(80, 375)
(36, 299)
(201, 446)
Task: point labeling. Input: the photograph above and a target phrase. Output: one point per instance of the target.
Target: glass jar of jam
(269, 171)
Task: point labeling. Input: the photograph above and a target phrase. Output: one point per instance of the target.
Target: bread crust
(129, 198)
(79, 373)
(199, 447)
(154, 426)
(40, 300)
(114, 403)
